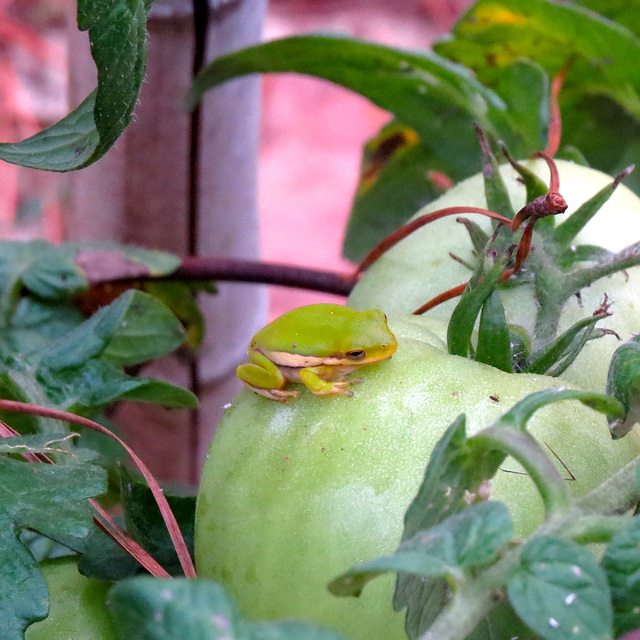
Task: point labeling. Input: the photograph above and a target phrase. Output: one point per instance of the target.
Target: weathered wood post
(139, 193)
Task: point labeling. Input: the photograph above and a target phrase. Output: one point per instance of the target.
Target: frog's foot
(337, 388)
(273, 394)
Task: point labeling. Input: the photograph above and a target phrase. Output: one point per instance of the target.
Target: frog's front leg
(318, 381)
(264, 377)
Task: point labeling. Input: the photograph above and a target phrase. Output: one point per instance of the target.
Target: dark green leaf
(95, 383)
(560, 591)
(457, 472)
(621, 562)
(625, 12)
(104, 559)
(440, 101)
(623, 383)
(467, 539)
(524, 86)
(133, 329)
(145, 523)
(53, 275)
(495, 33)
(148, 608)
(494, 337)
(52, 500)
(465, 314)
(180, 299)
(117, 33)
(394, 184)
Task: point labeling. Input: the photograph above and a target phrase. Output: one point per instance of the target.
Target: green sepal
(466, 312)
(494, 338)
(623, 383)
(561, 353)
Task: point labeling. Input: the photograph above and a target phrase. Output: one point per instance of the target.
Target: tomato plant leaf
(133, 329)
(494, 337)
(621, 562)
(38, 443)
(154, 609)
(624, 12)
(145, 524)
(104, 559)
(398, 176)
(623, 383)
(494, 33)
(117, 34)
(439, 100)
(560, 591)
(467, 539)
(50, 499)
(455, 476)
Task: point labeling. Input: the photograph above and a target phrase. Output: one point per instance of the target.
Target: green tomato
(420, 267)
(77, 605)
(292, 495)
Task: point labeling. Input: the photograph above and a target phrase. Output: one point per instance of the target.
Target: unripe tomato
(77, 605)
(292, 495)
(420, 267)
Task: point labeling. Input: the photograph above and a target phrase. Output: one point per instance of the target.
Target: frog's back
(322, 329)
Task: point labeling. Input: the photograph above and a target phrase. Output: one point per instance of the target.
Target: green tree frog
(317, 345)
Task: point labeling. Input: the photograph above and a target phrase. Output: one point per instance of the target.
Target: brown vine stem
(170, 520)
(234, 270)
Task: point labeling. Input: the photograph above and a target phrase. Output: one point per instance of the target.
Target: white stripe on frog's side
(284, 359)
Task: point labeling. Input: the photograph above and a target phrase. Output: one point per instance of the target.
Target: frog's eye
(356, 354)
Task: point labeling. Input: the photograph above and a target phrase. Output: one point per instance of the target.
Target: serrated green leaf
(133, 329)
(560, 591)
(494, 337)
(180, 298)
(148, 330)
(52, 500)
(38, 443)
(102, 558)
(117, 33)
(623, 383)
(148, 608)
(455, 473)
(94, 384)
(467, 539)
(621, 562)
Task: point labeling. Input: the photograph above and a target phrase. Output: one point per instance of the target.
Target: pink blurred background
(312, 131)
